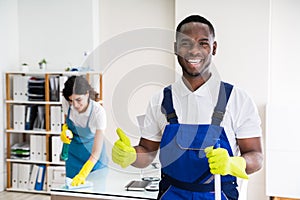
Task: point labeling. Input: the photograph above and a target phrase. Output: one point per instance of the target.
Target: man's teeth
(194, 61)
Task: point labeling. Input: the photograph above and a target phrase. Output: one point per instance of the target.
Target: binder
(32, 148)
(38, 148)
(16, 88)
(56, 176)
(38, 151)
(40, 178)
(23, 175)
(33, 177)
(27, 119)
(20, 86)
(39, 122)
(56, 146)
(32, 116)
(54, 90)
(49, 177)
(19, 117)
(62, 80)
(15, 176)
(42, 146)
(55, 118)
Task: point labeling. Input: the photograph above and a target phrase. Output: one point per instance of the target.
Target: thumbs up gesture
(123, 153)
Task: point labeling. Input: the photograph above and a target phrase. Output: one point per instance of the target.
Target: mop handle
(217, 179)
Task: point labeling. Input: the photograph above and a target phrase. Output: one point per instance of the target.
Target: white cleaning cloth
(85, 185)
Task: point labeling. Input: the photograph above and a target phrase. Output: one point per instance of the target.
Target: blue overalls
(80, 148)
(185, 170)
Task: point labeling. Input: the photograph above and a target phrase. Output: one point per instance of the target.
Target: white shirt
(97, 119)
(241, 119)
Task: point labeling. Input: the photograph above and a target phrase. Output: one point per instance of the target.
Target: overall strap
(167, 106)
(224, 94)
(88, 120)
(69, 110)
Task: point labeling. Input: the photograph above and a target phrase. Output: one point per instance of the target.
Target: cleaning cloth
(68, 185)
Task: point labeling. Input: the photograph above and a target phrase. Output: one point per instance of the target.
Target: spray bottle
(65, 148)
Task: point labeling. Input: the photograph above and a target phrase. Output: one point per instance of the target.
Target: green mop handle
(64, 152)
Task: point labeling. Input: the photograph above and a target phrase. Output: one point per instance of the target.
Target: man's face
(194, 47)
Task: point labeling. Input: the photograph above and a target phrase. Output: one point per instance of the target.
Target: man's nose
(195, 48)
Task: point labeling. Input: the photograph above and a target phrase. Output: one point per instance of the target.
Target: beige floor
(23, 196)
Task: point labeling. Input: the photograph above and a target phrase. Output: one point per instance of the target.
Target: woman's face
(79, 101)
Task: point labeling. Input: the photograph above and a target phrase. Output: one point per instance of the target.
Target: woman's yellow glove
(122, 152)
(221, 163)
(84, 172)
(66, 135)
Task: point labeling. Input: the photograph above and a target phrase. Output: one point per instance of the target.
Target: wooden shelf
(34, 162)
(27, 191)
(25, 135)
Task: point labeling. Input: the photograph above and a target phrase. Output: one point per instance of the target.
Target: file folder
(33, 177)
(40, 178)
(15, 176)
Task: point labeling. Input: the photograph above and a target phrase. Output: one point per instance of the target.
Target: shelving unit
(95, 79)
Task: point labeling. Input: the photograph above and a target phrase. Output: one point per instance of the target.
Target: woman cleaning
(86, 119)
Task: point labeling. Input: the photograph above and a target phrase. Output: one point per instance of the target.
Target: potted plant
(43, 64)
(24, 67)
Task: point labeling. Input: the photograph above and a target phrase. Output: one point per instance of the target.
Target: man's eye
(185, 44)
(203, 44)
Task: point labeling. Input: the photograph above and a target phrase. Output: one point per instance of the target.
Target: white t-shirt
(241, 119)
(97, 120)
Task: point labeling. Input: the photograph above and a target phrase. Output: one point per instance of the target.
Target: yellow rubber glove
(84, 172)
(221, 163)
(122, 152)
(66, 135)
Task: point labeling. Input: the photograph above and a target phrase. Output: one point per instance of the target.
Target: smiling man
(189, 118)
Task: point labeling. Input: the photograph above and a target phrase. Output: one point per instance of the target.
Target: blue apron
(80, 148)
(185, 170)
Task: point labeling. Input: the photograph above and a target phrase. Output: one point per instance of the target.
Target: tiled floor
(23, 196)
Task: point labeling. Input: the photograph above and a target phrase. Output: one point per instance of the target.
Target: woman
(86, 119)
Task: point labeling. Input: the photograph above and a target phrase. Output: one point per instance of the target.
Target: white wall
(8, 59)
(282, 148)
(57, 30)
(242, 30)
(284, 52)
(134, 35)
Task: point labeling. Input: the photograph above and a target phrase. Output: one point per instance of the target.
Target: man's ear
(175, 48)
(214, 51)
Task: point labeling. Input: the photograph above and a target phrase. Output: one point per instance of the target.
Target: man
(188, 120)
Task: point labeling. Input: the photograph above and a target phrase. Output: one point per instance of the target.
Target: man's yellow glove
(221, 163)
(84, 172)
(122, 152)
(66, 135)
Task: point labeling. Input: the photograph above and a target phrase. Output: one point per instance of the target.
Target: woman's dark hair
(79, 85)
